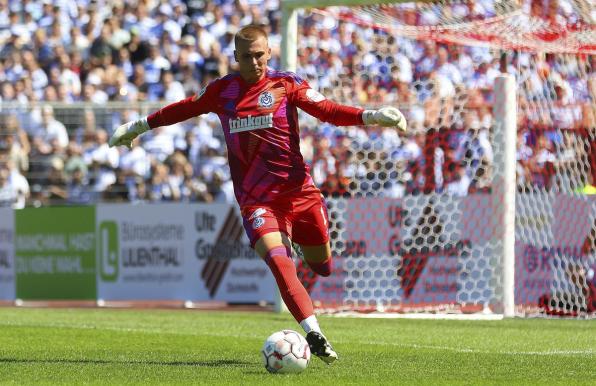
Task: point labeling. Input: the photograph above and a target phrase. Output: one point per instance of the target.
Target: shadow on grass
(214, 363)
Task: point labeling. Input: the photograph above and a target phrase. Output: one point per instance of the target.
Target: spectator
(93, 94)
(75, 160)
(446, 68)
(15, 143)
(122, 90)
(217, 28)
(211, 160)
(48, 130)
(173, 90)
(192, 188)
(138, 81)
(8, 193)
(159, 187)
(135, 162)
(541, 164)
(159, 145)
(154, 65)
(123, 52)
(118, 191)
(124, 62)
(323, 163)
(102, 160)
(18, 185)
(138, 194)
(78, 41)
(221, 188)
(176, 178)
(68, 77)
(523, 155)
(77, 187)
(118, 36)
(138, 48)
(35, 73)
(55, 182)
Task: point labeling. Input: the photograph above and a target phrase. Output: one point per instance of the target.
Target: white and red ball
(285, 352)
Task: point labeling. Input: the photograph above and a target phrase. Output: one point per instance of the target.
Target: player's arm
(173, 113)
(315, 104)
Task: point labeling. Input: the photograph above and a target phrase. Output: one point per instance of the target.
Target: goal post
(448, 218)
(505, 113)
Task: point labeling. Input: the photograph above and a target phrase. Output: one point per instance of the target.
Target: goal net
(487, 203)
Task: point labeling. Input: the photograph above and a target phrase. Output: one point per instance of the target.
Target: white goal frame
(505, 134)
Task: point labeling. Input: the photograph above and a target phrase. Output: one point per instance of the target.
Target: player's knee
(321, 268)
(279, 251)
(316, 254)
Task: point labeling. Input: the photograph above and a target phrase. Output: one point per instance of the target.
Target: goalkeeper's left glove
(125, 134)
(385, 116)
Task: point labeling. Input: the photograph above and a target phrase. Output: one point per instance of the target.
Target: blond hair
(250, 33)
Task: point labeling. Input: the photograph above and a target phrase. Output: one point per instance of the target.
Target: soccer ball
(285, 352)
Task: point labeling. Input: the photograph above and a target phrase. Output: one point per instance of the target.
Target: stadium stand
(62, 61)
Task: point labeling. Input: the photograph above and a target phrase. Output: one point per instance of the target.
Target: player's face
(252, 57)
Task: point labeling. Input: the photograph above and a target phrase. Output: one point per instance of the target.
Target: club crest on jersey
(266, 100)
(257, 213)
(251, 123)
(258, 222)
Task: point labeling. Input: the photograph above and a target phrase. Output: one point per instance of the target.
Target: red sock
(321, 268)
(292, 291)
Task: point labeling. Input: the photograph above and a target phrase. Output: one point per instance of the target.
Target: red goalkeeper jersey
(260, 123)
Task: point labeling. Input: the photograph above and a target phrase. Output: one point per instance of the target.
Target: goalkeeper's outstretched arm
(315, 104)
(168, 115)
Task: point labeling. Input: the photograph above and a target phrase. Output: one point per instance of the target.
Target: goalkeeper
(279, 202)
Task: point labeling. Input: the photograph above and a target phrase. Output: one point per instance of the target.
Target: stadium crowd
(62, 61)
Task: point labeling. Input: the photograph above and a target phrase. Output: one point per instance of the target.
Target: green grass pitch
(101, 346)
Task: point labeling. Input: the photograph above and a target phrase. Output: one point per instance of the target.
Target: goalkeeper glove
(126, 133)
(385, 116)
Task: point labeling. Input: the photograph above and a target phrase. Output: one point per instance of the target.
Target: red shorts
(301, 215)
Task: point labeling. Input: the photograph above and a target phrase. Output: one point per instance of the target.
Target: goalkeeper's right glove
(385, 116)
(126, 133)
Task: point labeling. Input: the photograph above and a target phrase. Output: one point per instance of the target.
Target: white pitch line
(462, 350)
(382, 315)
(474, 351)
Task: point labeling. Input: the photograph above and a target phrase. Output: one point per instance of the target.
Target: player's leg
(318, 257)
(310, 231)
(274, 248)
(269, 233)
